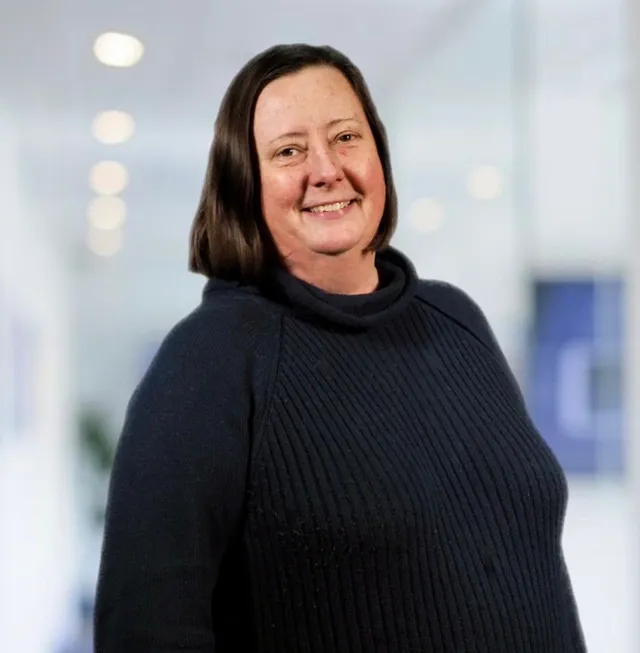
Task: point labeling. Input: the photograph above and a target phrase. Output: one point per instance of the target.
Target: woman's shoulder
(225, 319)
(226, 332)
(219, 355)
(457, 305)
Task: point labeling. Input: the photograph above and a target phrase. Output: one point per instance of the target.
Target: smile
(329, 208)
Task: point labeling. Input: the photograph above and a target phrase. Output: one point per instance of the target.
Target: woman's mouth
(330, 210)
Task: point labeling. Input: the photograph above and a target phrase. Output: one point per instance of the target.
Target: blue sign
(574, 384)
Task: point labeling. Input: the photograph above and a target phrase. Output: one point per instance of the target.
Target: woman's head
(297, 136)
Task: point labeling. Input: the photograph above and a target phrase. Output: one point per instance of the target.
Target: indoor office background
(513, 137)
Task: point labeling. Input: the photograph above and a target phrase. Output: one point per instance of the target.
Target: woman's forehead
(313, 97)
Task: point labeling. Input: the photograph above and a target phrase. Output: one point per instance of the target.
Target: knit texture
(307, 473)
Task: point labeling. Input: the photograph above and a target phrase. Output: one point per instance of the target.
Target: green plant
(96, 441)
(97, 448)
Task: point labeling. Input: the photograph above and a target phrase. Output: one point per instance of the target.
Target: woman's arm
(176, 495)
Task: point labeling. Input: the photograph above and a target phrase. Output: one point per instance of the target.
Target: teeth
(329, 207)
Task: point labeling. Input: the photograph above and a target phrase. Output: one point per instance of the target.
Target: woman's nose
(324, 167)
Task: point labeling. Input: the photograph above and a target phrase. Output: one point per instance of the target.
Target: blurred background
(514, 142)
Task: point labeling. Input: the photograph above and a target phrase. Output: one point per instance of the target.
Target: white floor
(598, 545)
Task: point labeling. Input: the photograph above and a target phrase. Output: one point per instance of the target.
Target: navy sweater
(309, 473)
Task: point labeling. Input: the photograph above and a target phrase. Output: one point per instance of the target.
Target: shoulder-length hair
(229, 238)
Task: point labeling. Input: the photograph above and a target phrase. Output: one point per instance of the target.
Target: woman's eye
(287, 153)
(346, 138)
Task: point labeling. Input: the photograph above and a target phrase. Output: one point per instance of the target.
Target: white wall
(37, 524)
(598, 543)
(579, 137)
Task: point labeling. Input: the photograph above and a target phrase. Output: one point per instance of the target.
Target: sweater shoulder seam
(456, 305)
(259, 436)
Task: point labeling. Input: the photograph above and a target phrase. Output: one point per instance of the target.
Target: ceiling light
(118, 50)
(485, 183)
(426, 215)
(105, 243)
(108, 178)
(107, 213)
(113, 127)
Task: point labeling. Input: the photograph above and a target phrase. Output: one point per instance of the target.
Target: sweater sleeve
(176, 495)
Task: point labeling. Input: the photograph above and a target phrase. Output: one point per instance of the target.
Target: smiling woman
(293, 134)
(328, 454)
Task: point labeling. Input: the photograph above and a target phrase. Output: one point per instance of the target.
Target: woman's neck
(351, 273)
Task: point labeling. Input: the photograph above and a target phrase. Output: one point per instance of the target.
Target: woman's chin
(333, 242)
(335, 247)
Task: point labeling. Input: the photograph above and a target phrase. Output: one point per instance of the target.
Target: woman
(328, 455)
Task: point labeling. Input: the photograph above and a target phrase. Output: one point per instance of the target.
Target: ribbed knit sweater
(302, 472)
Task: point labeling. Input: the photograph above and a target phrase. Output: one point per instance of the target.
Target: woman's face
(323, 186)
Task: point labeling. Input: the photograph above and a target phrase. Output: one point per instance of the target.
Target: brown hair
(229, 238)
